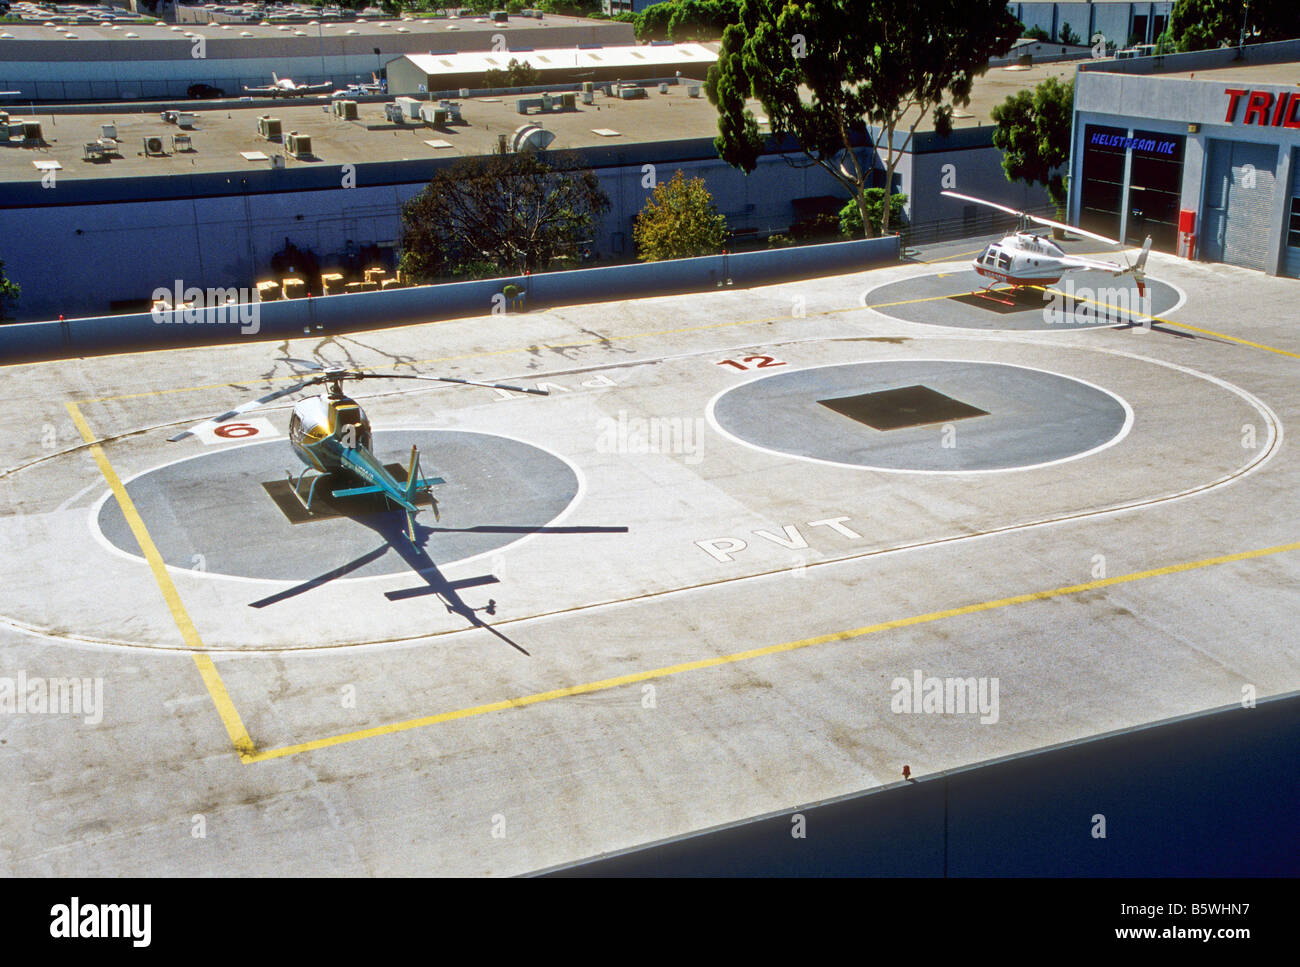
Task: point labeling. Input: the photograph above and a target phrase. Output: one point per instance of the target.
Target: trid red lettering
(1234, 95)
(1257, 107)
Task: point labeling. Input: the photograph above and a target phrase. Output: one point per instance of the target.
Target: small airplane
(1029, 259)
(331, 435)
(286, 87)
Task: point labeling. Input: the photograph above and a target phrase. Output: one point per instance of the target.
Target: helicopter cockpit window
(986, 257)
(1004, 260)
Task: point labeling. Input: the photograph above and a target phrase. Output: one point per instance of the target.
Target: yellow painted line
(1180, 325)
(216, 687)
(703, 663)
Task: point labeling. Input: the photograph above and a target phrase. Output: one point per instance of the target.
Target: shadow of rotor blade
(502, 529)
(322, 579)
(418, 558)
(1156, 327)
(433, 588)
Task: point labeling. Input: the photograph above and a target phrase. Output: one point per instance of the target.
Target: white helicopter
(1029, 259)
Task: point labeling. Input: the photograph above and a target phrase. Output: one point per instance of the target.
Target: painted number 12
(751, 362)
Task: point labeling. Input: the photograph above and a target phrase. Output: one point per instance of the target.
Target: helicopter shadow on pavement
(389, 526)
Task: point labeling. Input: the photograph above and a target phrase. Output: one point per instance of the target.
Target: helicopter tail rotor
(1139, 268)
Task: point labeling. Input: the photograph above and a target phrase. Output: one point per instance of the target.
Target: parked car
(204, 92)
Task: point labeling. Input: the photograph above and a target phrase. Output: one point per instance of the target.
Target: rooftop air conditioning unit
(277, 161)
(153, 146)
(108, 131)
(693, 90)
(453, 111)
(186, 119)
(588, 97)
(663, 87)
(93, 151)
(631, 92)
(269, 127)
(169, 117)
(298, 145)
(182, 142)
(394, 113)
(347, 110)
(32, 131)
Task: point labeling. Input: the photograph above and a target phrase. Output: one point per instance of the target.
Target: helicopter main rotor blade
(1073, 229)
(464, 382)
(242, 408)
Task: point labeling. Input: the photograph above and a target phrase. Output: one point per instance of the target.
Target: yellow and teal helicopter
(330, 433)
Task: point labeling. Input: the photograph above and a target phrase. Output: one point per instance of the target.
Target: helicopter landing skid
(992, 294)
(297, 485)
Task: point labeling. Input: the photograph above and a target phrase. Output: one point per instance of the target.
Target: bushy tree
(1068, 36)
(1032, 129)
(9, 290)
(516, 74)
(516, 212)
(686, 20)
(679, 221)
(1206, 24)
(824, 68)
(851, 214)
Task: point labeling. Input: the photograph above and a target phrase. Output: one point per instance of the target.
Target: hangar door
(1291, 265)
(1238, 208)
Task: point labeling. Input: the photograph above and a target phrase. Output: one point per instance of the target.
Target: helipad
(670, 595)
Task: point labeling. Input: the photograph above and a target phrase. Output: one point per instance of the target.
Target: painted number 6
(233, 431)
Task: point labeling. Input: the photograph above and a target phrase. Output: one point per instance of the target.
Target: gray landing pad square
(1029, 416)
(894, 409)
(213, 512)
(953, 299)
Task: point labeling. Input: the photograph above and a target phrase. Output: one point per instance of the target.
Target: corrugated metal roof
(470, 62)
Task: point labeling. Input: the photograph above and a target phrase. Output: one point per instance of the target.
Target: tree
(1068, 36)
(851, 214)
(679, 221)
(1206, 24)
(517, 74)
(514, 213)
(823, 68)
(1032, 128)
(1037, 33)
(9, 290)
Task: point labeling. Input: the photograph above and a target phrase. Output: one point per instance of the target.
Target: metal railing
(983, 222)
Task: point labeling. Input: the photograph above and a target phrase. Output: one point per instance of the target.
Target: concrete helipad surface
(704, 583)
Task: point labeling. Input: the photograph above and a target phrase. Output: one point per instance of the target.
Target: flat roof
(1284, 73)
(391, 27)
(222, 132)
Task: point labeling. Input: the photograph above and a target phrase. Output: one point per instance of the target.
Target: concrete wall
(131, 69)
(21, 342)
(1208, 795)
(92, 242)
(1113, 20)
